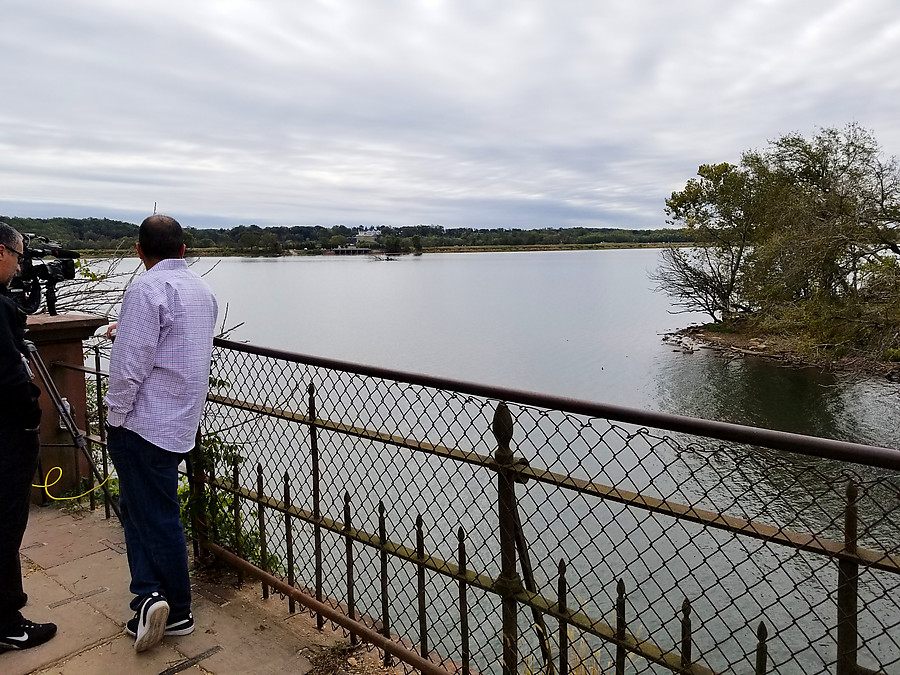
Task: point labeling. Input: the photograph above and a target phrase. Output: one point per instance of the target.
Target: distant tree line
(102, 234)
(81, 234)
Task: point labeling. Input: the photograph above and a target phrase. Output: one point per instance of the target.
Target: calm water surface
(586, 325)
(583, 324)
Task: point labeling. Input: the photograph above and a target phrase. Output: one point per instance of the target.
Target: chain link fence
(483, 530)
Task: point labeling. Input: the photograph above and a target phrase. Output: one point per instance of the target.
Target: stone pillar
(59, 341)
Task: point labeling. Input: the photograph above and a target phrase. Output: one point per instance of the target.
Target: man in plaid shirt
(158, 381)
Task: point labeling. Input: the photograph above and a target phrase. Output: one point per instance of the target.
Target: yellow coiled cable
(47, 485)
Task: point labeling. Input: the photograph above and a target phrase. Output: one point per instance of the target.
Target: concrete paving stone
(42, 589)
(101, 579)
(250, 640)
(78, 625)
(72, 535)
(118, 656)
(274, 610)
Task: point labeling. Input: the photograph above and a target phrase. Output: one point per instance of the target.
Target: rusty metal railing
(466, 528)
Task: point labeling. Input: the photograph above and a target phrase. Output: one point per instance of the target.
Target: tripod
(68, 421)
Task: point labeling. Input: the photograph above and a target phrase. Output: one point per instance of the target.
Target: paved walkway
(76, 575)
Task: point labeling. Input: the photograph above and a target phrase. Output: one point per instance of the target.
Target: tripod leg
(68, 421)
(44, 500)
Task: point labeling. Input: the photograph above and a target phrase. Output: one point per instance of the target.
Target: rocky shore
(743, 343)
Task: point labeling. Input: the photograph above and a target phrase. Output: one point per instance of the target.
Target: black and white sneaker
(173, 626)
(151, 622)
(27, 634)
(180, 626)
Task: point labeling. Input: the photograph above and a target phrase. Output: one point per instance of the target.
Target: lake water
(582, 324)
(586, 325)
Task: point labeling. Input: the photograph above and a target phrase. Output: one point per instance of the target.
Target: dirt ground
(348, 660)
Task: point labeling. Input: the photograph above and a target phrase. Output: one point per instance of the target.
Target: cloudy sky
(476, 113)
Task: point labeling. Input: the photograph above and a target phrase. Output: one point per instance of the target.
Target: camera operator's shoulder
(12, 315)
(7, 305)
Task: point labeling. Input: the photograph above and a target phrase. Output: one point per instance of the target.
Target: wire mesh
(678, 549)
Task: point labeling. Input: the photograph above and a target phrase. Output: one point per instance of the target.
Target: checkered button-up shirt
(159, 367)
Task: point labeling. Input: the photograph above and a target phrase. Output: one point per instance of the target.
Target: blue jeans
(18, 462)
(154, 536)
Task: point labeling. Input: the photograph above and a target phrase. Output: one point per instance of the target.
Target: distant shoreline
(548, 247)
(231, 253)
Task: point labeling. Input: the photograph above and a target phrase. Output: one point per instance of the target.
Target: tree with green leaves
(268, 244)
(801, 236)
(834, 208)
(721, 209)
(391, 244)
(337, 241)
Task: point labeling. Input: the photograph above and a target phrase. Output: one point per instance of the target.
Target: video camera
(25, 288)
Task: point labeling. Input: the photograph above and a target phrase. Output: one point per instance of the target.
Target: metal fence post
(847, 599)
(420, 577)
(508, 583)
(317, 527)
(289, 538)
(621, 627)
(561, 600)
(385, 600)
(351, 597)
(101, 421)
(213, 508)
(92, 495)
(197, 479)
(686, 634)
(465, 654)
(236, 515)
(762, 650)
(261, 518)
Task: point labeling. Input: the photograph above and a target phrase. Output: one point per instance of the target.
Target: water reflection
(783, 489)
(756, 392)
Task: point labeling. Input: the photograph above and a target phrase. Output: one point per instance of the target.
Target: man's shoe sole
(156, 627)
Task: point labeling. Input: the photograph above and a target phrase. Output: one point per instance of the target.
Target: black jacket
(18, 394)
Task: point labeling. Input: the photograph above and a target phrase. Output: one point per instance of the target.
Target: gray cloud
(516, 114)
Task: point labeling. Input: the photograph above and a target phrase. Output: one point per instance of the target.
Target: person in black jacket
(20, 416)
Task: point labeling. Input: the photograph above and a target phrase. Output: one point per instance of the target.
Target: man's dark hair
(9, 236)
(161, 237)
